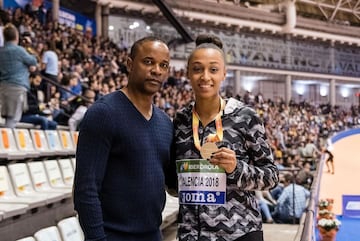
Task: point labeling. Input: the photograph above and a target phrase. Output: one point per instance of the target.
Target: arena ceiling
(342, 12)
(346, 12)
(334, 17)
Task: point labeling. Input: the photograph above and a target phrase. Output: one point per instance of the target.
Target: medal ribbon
(218, 124)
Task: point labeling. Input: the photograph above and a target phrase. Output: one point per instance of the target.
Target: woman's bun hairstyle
(208, 39)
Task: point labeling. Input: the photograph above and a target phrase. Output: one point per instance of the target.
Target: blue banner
(202, 197)
(15, 3)
(66, 16)
(351, 205)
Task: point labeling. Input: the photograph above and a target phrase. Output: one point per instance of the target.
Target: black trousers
(253, 236)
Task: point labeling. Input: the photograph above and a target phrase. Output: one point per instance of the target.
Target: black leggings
(253, 236)
(331, 156)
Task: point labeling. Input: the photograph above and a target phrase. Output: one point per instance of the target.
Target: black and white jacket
(243, 132)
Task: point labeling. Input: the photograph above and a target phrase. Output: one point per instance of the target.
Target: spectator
(242, 151)
(310, 150)
(305, 175)
(66, 96)
(50, 67)
(1, 32)
(79, 113)
(35, 113)
(288, 209)
(15, 64)
(265, 204)
(93, 84)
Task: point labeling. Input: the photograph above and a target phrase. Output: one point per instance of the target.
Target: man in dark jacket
(33, 114)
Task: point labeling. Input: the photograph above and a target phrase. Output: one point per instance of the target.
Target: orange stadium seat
(8, 146)
(75, 136)
(40, 143)
(67, 142)
(54, 143)
(25, 143)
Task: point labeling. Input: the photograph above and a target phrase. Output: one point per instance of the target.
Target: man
(15, 64)
(35, 113)
(289, 210)
(123, 150)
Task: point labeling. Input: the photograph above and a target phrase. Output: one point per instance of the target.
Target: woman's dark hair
(32, 75)
(208, 39)
(65, 79)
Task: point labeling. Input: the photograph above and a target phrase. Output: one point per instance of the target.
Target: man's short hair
(138, 43)
(289, 177)
(10, 32)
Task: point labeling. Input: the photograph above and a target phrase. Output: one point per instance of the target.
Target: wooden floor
(347, 172)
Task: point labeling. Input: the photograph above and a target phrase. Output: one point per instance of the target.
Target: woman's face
(37, 80)
(206, 71)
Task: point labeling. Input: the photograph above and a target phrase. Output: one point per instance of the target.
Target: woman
(242, 153)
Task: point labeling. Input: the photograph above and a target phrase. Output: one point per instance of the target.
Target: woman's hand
(224, 158)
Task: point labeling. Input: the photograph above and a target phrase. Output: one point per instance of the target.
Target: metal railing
(308, 221)
(59, 86)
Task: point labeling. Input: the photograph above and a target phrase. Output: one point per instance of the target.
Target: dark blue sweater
(119, 179)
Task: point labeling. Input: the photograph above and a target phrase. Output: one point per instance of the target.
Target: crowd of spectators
(95, 66)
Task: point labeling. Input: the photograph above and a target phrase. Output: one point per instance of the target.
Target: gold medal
(208, 149)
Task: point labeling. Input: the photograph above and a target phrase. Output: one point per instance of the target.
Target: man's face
(150, 67)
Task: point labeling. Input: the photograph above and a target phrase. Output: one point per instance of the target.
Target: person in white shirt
(76, 118)
(1, 35)
(50, 67)
(2, 19)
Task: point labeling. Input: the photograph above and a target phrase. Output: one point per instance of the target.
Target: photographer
(14, 76)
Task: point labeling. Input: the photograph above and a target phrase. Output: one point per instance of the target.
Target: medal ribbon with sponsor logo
(219, 128)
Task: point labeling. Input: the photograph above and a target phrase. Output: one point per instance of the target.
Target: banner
(75, 20)
(200, 182)
(15, 3)
(66, 16)
(351, 205)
